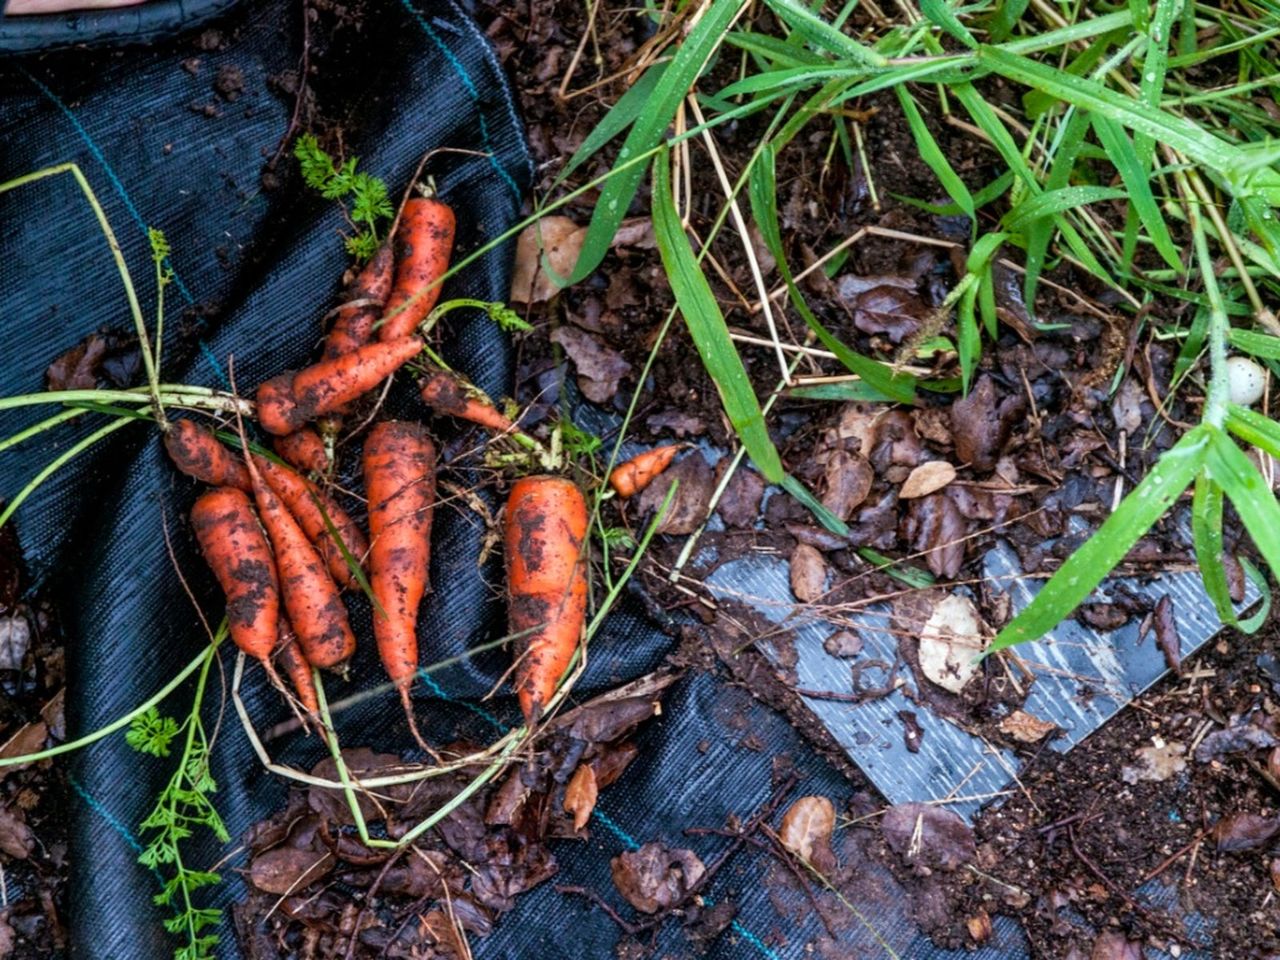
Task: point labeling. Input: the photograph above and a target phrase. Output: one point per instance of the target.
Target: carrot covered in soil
(236, 550)
(367, 294)
(289, 401)
(424, 243)
(631, 477)
(310, 596)
(309, 506)
(197, 453)
(295, 665)
(450, 395)
(544, 531)
(303, 449)
(400, 482)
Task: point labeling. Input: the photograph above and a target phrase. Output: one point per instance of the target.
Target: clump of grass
(1116, 110)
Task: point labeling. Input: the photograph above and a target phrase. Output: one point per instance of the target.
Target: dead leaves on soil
(656, 877)
(456, 879)
(806, 831)
(923, 835)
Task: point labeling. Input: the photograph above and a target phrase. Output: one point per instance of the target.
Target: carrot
(631, 477)
(544, 530)
(288, 401)
(303, 449)
(400, 481)
(289, 653)
(309, 506)
(450, 395)
(236, 550)
(310, 597)
(424, 242)
(353, 327)
(197, 453)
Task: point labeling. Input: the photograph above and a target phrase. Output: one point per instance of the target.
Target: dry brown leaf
(580, 795)
(808, 573)
(1244, 831)
(807, 825)
(286, 869)
(16, 838)
(600, 367)
(28, 739)
(656, 877)
(560, 240)
(929, 477)
(1026, 727)
(848, 481)
(927, 836)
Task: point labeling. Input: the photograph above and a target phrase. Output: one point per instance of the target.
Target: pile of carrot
(283, 547)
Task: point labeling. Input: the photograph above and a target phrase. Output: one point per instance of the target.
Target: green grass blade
(622, 115)
(1254, 428)
(1176, 131)
(932, 155)
(1137, 184)
(968, 338)
(1005, 19)
(1057, 201)
(1249, 493)
(649, 127)
(707, 327)
(1085, 568)
(1253, 623)
(1039, 235)
(822, 34)
(764, 209)
(1206, 535)
(1259, 344)
(940, 13)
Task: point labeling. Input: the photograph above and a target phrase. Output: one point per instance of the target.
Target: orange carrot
(288, 401)
(197, 453)
(631, 477)
(545, 527)
(449, 395)
(303, 449)
(424, 242)
(400, 481)
(353, 327)
(306, 502)
(289, 653)
(236, 549)
(310, 597)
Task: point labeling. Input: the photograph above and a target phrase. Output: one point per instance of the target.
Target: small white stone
(1245, 380)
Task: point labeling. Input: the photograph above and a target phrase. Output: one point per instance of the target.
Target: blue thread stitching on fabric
(440, 692)
(118, 185)
(467, 82)
(125, 833)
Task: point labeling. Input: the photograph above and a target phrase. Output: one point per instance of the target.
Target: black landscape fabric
(176, 135)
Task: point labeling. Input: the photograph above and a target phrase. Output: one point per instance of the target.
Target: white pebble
(1245, 380)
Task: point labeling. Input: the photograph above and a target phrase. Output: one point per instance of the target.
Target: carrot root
(236, 550)
(309, 506)
(291, 400)
(544, 532)
(449, 395)
(631, 477)
(197, 453)
(303, 450)
(399, 472)
(424, 243)
(353, 327)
